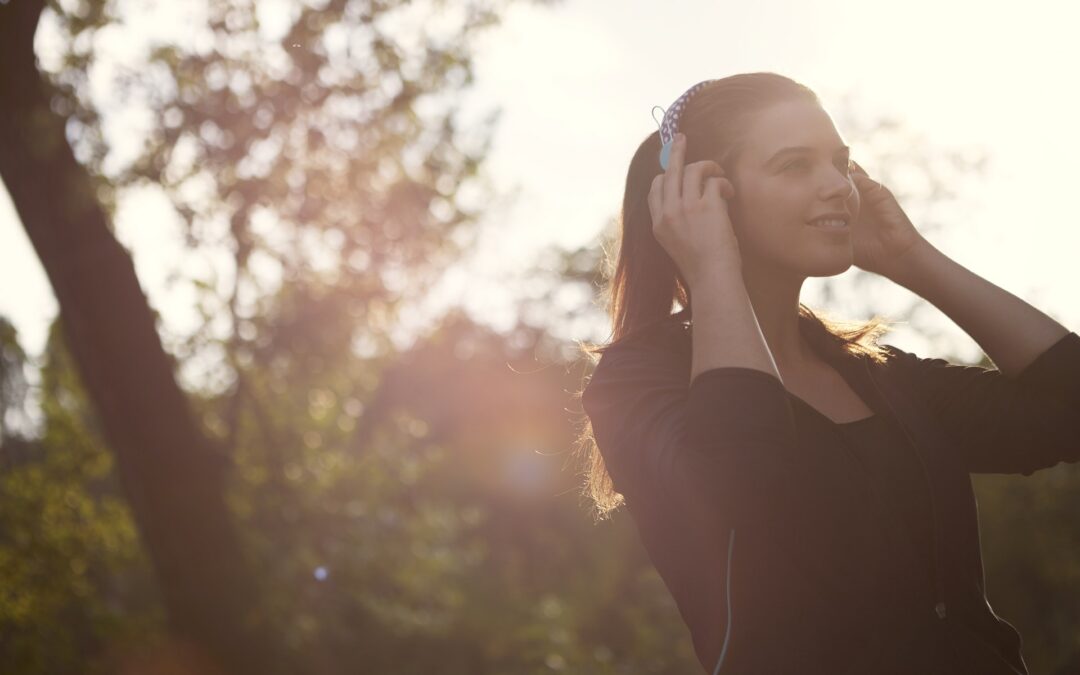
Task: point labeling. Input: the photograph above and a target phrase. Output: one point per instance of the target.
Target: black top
(766, 526)
(901, 506)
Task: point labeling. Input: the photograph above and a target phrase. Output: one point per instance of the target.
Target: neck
(774, 294)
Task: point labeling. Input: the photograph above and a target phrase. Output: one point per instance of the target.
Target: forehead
(791, 123)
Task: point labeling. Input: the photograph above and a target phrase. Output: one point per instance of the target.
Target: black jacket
(755, 525)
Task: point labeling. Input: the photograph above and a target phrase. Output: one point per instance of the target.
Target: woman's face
(777, 191)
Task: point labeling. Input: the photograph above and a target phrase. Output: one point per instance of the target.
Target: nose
(839, 184)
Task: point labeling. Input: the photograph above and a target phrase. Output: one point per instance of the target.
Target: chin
(830, 268)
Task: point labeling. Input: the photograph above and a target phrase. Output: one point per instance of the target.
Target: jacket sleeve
(728, 435)
(1002, 424)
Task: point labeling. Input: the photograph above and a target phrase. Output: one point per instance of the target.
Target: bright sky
(577, 84)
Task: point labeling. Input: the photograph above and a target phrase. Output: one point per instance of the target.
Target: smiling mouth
(829, 224)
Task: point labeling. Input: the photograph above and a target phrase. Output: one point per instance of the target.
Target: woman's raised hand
(690, 215)
(883, 235)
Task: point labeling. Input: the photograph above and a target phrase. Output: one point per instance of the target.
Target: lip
(834, 215)
(842, 231)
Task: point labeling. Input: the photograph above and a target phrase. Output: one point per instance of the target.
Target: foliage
(73, 575)
(13, 383)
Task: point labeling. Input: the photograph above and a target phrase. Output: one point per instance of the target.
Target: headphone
(669, 126)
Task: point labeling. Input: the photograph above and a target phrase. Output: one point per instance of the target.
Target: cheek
(764, 212)
(753, 212)
(764, 230)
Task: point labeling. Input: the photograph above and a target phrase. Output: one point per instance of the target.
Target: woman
(804, 491)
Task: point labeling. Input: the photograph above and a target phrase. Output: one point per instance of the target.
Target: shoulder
(659, 350)
(668, 338)
(900, 358)
(929, 373)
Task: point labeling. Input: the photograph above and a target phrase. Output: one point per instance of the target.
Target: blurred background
(291, 296)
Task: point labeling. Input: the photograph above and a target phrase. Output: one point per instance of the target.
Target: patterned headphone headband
(670, 124)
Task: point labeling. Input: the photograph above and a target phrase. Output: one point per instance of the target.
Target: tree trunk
(172, 474)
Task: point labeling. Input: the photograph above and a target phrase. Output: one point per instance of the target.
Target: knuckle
(669, 218)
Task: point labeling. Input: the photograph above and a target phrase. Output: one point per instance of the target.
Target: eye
(845, 165)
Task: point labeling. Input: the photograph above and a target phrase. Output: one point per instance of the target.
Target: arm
(1020, 417)
(660, 435)
(657, 406)
(1009, 330)
(1003, 424)
(726, 330)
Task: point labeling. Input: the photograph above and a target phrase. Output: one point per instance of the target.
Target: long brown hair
(643, 284)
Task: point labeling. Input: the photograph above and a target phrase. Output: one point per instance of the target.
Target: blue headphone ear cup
(665, 154)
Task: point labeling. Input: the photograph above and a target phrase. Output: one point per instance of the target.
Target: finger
(655, 198)
(696, 173)
(691, 185)
(727, 189)
(712, 189)
(719, 188)
(861, 176)
(674, 174)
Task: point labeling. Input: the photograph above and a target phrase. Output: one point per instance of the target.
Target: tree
(172, 474)
(381, 189)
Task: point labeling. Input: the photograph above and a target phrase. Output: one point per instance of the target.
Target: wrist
(718, 274)
(909, 267)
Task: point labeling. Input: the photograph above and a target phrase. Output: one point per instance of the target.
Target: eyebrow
(800, 148)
